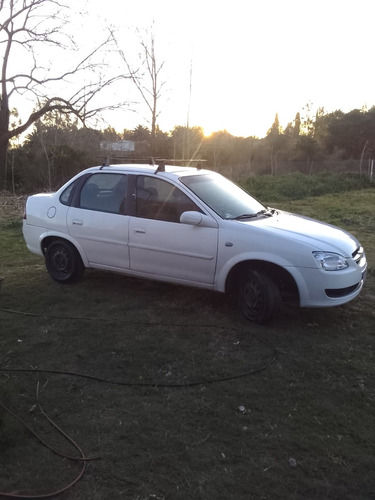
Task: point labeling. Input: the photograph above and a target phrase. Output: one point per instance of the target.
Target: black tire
(259, 296)
(63, 262)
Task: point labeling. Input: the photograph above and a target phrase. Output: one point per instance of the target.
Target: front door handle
(140, 230)
(77, 222)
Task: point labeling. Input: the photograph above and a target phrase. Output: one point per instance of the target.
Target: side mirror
(197, 219)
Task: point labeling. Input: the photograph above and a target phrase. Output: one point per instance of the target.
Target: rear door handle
(140, 230)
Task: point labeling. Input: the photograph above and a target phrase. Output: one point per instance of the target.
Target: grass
(306, 426)
(296, 185)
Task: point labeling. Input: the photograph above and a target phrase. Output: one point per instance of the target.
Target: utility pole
(187, 133)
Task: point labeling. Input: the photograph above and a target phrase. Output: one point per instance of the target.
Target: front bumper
(331, 288)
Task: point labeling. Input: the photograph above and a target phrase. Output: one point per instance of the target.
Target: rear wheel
(259, 296)
(63, 262)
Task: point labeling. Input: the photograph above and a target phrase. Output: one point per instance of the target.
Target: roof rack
(106, 162)
(161, 166)
(160, 162)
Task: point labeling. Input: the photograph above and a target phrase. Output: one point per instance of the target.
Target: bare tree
(146, 78)
(25, 26)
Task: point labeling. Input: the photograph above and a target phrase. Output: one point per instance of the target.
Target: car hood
(323, 236)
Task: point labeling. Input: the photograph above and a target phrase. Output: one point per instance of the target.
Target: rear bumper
(32, 236)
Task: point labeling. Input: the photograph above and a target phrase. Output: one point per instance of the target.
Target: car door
(162, 247)
(98, 221)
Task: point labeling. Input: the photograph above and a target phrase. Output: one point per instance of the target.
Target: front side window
(160, 200)
(224, 197)
(104, 192)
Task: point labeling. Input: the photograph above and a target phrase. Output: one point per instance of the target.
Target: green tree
(349, 133)
(297, 126)
(307, 150)
(307, 121)
(54, 151)
(276, 142)
(140, 133)
(187, 142)
(275, 128)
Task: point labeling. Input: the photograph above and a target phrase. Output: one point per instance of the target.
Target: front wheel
(63, 262)
(259, 296)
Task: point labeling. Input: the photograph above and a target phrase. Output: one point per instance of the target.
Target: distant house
(118, 146)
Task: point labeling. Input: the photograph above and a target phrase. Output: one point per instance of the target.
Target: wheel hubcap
(253, 296)
(61, 261)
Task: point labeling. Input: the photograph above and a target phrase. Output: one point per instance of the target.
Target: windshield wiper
(243, 216)
(268, 212)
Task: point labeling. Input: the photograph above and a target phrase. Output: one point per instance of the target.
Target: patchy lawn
(174, 394)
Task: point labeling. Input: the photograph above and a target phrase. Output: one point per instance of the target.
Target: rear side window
(104, 192)
(66, 195)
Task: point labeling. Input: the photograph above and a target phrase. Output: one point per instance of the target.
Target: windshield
(223, 196)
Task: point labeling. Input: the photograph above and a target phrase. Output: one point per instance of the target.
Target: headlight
(331, 261)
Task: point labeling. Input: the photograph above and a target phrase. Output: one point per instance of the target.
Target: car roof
(169, 171)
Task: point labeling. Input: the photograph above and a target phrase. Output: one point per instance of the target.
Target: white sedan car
(193, 227)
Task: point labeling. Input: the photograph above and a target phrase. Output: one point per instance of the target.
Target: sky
(232, 65)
